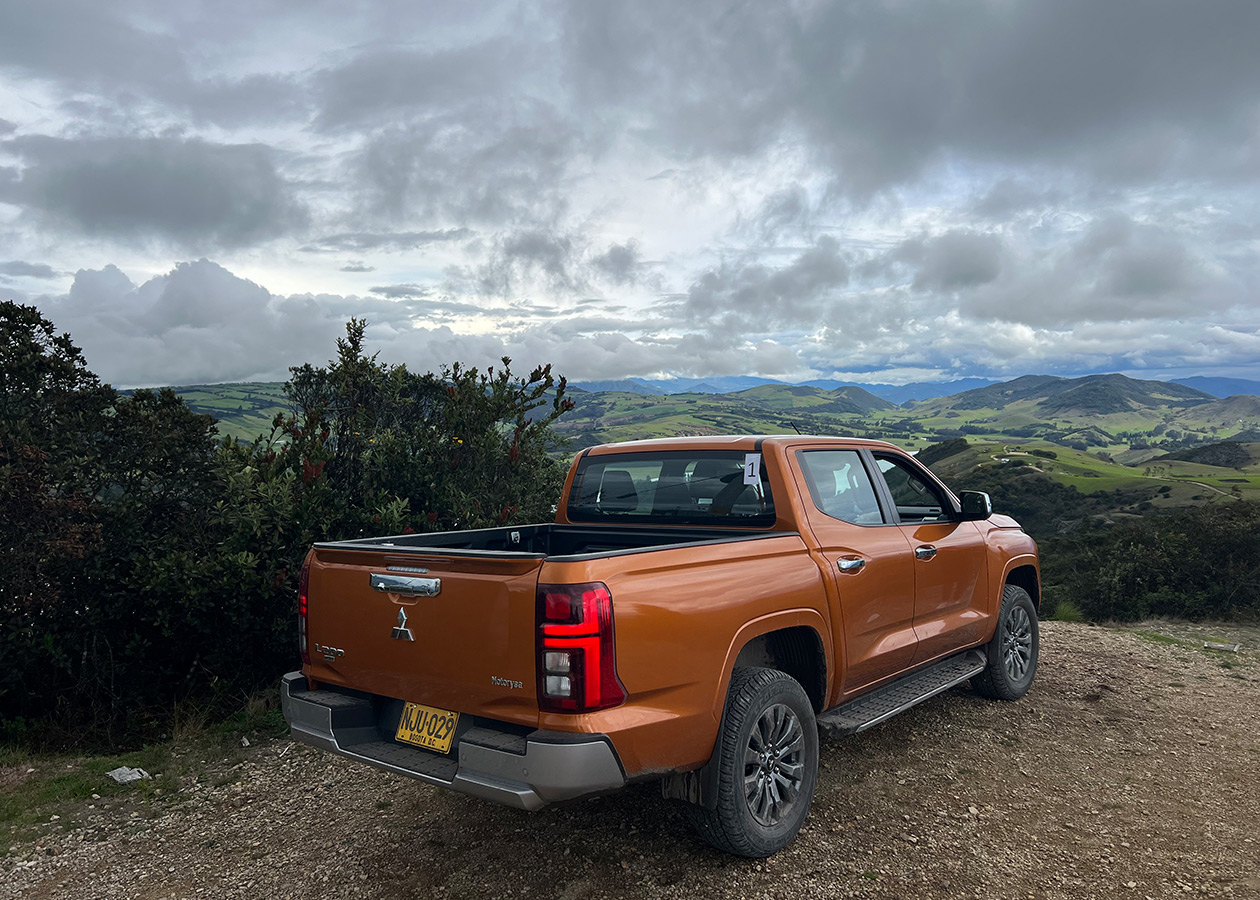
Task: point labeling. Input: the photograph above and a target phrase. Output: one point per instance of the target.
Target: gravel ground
(1132, 769)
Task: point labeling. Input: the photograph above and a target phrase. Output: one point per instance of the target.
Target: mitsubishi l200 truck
(699, 610)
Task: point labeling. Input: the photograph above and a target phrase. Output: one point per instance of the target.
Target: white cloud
(702, 188)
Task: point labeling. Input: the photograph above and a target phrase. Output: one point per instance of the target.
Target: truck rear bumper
(526, 771)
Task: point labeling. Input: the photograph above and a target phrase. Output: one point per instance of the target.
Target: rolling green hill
(1089, 395)
(244, 409)
(767, 409)
(1112, 413)
(1139, 442)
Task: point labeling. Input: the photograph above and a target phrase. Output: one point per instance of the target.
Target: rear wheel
(1012, 654)
(767, 760)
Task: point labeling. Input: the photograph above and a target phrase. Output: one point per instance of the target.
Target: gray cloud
(753, 298)
(372, 240)
(7, 127)
(188, 191)
(22, 269)
(385, 81)
(620, 262)
(84, 44)
(883, 91)
(518, 260)
(1008, 196)
(487, 164)
(255, 98)
(959, 259)
(1112, 270)
(91, 47)
(402, 290)
(357, 267)
(785, 211)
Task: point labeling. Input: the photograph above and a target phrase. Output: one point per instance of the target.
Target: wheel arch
(790, 642)
(1022, 572)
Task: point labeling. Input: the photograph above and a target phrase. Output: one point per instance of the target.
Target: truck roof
(731, 442)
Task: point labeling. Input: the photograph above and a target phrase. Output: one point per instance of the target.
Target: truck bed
(550, 541)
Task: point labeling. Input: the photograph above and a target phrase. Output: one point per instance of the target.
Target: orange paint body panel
(681, 614)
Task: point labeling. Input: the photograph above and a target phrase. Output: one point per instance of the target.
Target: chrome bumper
(526, 772)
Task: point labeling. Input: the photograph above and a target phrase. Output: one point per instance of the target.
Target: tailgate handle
(401, 584)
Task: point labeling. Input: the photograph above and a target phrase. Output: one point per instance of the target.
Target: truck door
(868, 560)
(950, 558)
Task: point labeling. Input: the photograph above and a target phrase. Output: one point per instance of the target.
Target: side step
(884, 703)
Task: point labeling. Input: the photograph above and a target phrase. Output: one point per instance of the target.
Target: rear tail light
(304, 581)
(577, 665)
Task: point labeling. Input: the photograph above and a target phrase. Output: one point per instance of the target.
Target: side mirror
(976, 506)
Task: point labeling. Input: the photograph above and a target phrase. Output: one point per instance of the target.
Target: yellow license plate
(427, 727)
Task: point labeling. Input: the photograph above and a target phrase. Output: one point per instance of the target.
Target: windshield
(696, 487)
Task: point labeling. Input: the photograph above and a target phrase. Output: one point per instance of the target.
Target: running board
(884, 703)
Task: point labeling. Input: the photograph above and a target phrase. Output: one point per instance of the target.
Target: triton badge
(402, 632)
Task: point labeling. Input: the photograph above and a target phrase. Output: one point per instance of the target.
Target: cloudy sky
(876, 191)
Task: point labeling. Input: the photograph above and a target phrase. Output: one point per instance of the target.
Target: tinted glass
(917, 499)
(708, 488)
(839, 485)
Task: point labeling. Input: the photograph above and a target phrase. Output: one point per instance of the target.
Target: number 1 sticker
(752, 468)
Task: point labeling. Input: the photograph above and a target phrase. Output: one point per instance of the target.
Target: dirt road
(1131, 770)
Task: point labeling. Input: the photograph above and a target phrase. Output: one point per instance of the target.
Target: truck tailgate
(468, 648)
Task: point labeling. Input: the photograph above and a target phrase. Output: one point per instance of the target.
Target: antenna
(794, 428)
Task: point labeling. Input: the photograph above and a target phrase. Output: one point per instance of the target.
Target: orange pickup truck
(699, 610)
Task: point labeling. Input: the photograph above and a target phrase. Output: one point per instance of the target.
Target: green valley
(1143, 444)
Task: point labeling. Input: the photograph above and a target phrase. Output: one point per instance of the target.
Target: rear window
(709, 487)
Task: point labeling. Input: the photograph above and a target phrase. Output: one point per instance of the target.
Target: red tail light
(577, 665)
(303, 582)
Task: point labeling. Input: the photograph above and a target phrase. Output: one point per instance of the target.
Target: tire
(1013, 652)
(766, 711)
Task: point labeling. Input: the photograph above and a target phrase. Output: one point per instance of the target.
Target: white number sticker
(752, 468)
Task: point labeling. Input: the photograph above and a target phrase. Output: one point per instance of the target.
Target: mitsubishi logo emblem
(402, 632)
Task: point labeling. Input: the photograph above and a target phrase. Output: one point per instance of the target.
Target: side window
(917, 499)
(840, 486)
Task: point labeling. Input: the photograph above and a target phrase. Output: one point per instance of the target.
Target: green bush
(1201, 563)
(148, 565)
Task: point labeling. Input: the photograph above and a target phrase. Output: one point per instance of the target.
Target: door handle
(850, 565)
(927, 551)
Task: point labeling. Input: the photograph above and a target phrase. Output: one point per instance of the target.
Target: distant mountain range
(1221, 387)
(727, 384)
(896, 393)
(1088, 396)
(1110, 412)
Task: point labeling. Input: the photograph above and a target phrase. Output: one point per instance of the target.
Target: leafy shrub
(146, 564)
(1065, 611)
(1198, 563)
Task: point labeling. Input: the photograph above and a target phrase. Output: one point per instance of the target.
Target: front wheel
(1012, 654)
(767, 759)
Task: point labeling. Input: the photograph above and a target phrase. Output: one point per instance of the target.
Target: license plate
(427, 727)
